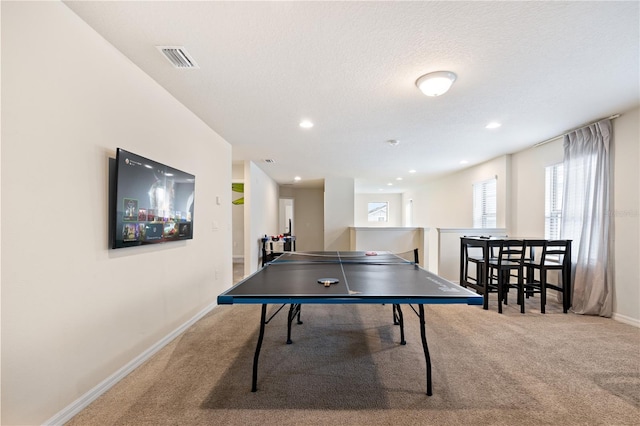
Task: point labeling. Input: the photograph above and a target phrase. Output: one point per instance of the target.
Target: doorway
(285, 216)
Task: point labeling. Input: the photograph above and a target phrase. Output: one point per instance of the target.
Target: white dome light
(436, 83)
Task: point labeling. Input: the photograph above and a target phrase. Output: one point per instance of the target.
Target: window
(378, 212)
(484, 204)
(554, 178)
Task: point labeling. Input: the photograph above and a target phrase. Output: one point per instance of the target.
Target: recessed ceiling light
(436, 83)
(389, 184)
(412, 171)
(297, 178)
(306, 124)
(493, 125)
(398, 178)
(464, 161)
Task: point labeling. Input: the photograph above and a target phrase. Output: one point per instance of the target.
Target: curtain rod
(611, 117)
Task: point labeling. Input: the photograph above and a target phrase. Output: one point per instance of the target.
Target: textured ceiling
(539, 68)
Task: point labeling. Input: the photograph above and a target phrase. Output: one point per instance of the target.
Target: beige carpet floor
(346, 367)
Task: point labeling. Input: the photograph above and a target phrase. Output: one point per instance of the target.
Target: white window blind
(554, 178)
(485, 203)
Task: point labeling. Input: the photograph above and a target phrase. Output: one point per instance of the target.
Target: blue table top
(362, 277)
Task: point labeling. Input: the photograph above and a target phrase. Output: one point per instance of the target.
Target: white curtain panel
(586, 219)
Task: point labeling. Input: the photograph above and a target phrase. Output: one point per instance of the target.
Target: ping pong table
(297, 278)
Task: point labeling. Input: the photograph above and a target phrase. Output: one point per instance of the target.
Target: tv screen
(153, 202)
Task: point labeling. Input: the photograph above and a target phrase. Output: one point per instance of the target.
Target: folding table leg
(485, 284)
(423, 335)
(566, 287)
(399, 318)
(263, 318)
(294, 310)
(395, 315)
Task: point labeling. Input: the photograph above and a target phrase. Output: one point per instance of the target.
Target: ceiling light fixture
(306, 124)
(297, 178)
(493, 125)
(436, 83)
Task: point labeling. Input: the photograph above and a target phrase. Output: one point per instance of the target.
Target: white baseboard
(81, 403)
(625, 319)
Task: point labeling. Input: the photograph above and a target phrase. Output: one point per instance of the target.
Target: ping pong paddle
(328, 281)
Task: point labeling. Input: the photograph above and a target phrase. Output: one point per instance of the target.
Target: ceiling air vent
(178, 56)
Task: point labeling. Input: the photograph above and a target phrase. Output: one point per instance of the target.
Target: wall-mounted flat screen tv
(153, 202)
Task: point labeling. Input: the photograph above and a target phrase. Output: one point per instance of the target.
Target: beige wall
(528, 194)
(361, 211)
(260, 213)
(399, 240)
(338, 212)
(74, 311)
(308, 212)
(626, 213)
(447, 202)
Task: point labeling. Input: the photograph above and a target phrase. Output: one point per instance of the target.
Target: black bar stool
(509, 260)
(556, 256)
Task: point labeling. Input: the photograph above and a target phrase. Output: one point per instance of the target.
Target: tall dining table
(488, 245)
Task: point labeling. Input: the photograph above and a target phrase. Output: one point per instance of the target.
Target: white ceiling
(539, 68)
